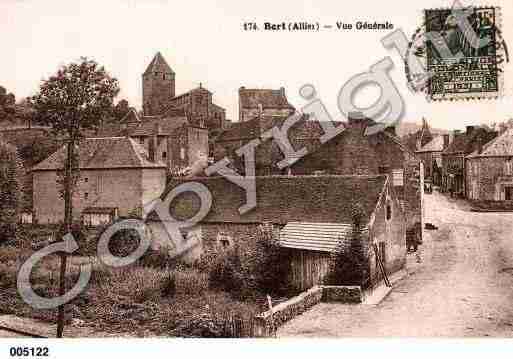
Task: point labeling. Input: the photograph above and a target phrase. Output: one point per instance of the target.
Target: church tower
(158, 86)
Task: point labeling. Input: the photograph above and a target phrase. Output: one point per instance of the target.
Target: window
(224, 241)
(508, 167)
(389, 211)
(182, 153)
(86, 180)
(163, 76)
(99, 184)
(86, 195)
(397, 177)
(164, 154)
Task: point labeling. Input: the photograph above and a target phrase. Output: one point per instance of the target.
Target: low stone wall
(491, 206)
(346, 294)
(267, 322)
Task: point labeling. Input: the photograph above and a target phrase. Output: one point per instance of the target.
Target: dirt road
(462, 287)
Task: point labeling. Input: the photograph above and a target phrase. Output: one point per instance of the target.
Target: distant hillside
(406, 128)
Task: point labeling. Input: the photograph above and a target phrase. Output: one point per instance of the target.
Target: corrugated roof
(102, 153)
(323, 237)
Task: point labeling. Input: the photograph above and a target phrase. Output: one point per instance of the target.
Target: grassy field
(140, 300)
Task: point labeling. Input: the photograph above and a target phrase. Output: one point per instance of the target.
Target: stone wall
(487, 177)
(120, 188)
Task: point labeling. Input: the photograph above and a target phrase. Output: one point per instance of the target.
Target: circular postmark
(447, 63)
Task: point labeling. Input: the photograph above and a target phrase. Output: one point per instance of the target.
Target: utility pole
(68, 213)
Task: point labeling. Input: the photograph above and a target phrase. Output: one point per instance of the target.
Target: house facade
(453, 157)
(172, 139)
(489, 171)
(115, 176)
(296, 207)
(431, 156)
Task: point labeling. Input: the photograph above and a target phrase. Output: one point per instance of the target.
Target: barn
(311, 215)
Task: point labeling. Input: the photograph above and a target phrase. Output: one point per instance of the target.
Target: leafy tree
(73, 100)
(10, 185)
(120, 110)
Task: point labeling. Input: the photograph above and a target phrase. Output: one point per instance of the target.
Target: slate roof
(498, 147)
(268, 98)
(131, 117)
(158, 64)
(466, 144)
(166, 126)
(103, 153)
(282, 199)
(435, 145)
(246, 130)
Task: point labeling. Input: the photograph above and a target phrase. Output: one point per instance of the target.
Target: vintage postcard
(271, 170)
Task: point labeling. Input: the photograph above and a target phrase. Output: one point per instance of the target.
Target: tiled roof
(435, 145)
(283, 199)
(466, 144)
(246, 130)
(252, 98)
(131, 117)
(500, 146)
(158, 64)
(103, 153)
(166, 126)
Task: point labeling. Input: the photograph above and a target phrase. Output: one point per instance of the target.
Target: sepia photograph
(289, 171)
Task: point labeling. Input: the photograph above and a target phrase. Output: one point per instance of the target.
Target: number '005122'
(28, 352)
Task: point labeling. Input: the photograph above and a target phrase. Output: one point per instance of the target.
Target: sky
(204, 42)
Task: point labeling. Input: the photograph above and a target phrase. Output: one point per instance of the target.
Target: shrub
(266, 266)
(159, 259)
(225, 272)
(348, 265)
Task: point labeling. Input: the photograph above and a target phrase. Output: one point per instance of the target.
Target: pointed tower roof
(158, 64)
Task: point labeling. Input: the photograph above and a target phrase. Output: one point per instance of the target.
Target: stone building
(351, 152)
(172, 139)
(431, 156)
(159, 97)
(489, 170)
(263, 102)
(354, 153)
(117, 176)
(293, 205)
(453, 157)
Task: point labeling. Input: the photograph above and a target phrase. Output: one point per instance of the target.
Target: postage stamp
(462, 51)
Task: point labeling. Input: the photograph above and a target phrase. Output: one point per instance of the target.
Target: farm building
(489, 170)
(309, 214)
(116, 177)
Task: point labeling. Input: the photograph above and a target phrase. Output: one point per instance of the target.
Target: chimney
(447, 140)
(470, 129)
(479, 145)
